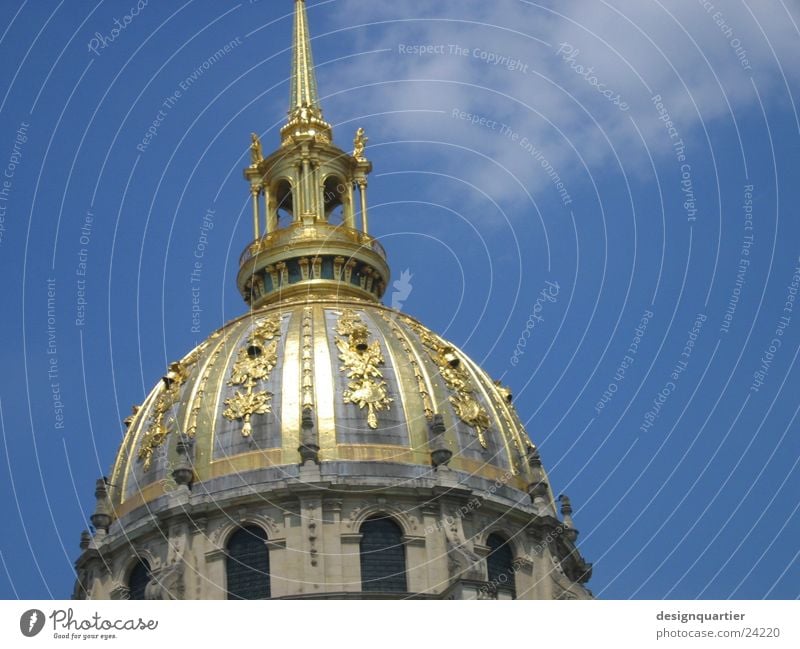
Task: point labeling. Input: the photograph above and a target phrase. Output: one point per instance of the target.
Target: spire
(304, 79)
(305, 113)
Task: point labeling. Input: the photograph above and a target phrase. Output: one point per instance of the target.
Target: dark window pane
(140, 575)
(500, 564)
(247, 564)
(383, 557)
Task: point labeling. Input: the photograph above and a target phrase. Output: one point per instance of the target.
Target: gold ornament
(308, 359)
(256, 152)
(360, 144)
(471, 413)
(457, 378)
(422, 385)
(243, 405)
(362, 359)
(157, 430)
(254, 363)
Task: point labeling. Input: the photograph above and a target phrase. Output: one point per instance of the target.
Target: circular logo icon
(31, 622)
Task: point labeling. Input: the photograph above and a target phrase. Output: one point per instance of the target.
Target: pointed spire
(305, 112)
(304, 79)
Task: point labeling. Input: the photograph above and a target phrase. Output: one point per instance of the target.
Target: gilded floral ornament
(456, 376)
(254, 363)
(471, 413)
(158, 429)
(154, 437)
(362, 361)
(243, 405)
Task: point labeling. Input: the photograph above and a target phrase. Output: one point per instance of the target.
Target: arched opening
(247, 564)
(500, 565)
(383, 556)
(284, 203)
(138, 579)
(334, 196)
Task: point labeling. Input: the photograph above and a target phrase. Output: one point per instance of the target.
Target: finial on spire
(305, 112)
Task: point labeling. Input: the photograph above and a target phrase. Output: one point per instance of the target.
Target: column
(362, 190)
(270, 217)
(255, 190)
(306, 175)
(298, 194)
(350, 208)
(317, 194)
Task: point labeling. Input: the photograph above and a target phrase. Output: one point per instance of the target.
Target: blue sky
(637, 161)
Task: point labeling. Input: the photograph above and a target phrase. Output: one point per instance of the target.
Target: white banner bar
(371, 624)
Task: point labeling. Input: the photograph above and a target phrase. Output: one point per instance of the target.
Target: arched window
(284, 203)
(500, 564)
(138, 579)
(333, 194)
(247, 564)
(383, 556)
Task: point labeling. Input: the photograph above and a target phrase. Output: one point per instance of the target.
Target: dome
(323, 445)
(369, 380)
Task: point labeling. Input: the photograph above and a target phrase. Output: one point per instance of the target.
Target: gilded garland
(158, 429)
(254, 363)
(362, 361)
(422, 386)
(457, 378)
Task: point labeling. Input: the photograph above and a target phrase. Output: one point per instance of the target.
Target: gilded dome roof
(368, 378)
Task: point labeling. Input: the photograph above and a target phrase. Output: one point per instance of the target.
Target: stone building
(324, 445)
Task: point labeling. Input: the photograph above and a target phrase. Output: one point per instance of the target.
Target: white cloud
(676, 49)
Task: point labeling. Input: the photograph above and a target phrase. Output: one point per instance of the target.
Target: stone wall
(313, 531)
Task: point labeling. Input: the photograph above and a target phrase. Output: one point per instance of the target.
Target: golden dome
(358, 381)
(318, 371)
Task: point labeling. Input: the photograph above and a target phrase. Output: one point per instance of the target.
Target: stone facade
(312, 523)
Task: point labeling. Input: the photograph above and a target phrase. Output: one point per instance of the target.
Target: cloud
(501, 61)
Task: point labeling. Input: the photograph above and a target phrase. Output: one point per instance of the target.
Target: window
(383, 557)
(500, 564)
(138, 579)
(247, 564)
(334, 193)
(284, 203)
